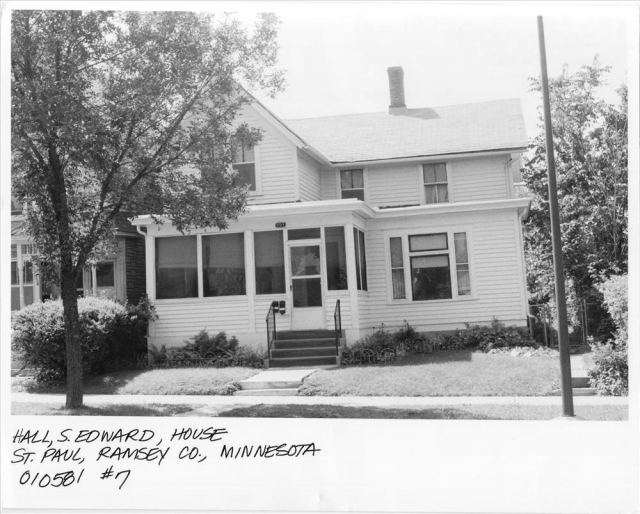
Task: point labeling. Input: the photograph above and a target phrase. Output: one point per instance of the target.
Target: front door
(307, 310)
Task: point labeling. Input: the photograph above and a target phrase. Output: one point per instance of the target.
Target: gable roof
(477, 127)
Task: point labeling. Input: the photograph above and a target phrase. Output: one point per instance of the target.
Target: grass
(48, 409)
(183, 381)
(468, 412)
(450, 373)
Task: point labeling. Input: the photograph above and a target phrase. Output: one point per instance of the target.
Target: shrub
(108, 331)
(496, 335)
(205, 344)
(610, 373)
(614, 291)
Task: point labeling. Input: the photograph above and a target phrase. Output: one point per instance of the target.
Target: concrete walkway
(351, 401)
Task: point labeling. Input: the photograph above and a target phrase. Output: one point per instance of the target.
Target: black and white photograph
(320, 256)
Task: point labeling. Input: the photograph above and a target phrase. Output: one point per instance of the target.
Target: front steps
(580, 385)
(274, 382)
(304, 348)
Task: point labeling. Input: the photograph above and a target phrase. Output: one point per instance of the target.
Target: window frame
(407, 255)
(363, 188)
(24, 258)
(360, 254)
(257, 171)
(449, 182)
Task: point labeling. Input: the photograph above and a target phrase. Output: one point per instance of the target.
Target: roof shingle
(477, 127)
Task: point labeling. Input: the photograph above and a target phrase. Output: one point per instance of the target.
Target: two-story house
(403, 215)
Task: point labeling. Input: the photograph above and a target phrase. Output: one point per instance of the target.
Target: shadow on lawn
(417, 359)
(108, 383)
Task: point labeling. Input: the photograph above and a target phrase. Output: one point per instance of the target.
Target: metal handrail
(271, 327)
(337, 320)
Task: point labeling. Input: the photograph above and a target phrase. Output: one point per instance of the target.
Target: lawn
(469, 412)
(183, 381)
(449, 373)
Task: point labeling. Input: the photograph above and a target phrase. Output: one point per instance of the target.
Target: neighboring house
(406, 215)
(120, 276)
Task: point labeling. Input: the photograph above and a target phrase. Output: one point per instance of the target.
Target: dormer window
(352, 184)
(245, 164)
(435, 182)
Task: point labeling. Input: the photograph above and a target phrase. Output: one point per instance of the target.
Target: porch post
(352, 282)
(150, 253)
(250, 277)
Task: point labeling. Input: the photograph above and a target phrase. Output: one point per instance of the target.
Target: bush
(610, 373)
(495, 335)
(614, 291)
(109, 331)
(205, 344)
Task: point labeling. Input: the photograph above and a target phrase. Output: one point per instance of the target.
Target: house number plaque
(281, 224)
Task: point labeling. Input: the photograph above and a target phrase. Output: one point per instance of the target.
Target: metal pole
(561, 301)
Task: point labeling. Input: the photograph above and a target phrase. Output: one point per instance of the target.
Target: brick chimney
(396, 90)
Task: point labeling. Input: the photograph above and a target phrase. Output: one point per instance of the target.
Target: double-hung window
(436, 187)
(22, 276)
(437, 264)
(352, 184)
(244, 163)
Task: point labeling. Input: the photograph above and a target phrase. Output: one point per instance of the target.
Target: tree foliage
(590, 144)
(122, 113)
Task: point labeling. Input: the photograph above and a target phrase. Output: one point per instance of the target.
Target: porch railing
(337, 320)
(271, 327)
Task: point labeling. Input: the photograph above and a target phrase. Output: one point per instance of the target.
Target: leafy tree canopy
(110, 108)
(590, 144)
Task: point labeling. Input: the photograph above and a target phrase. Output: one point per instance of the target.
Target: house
(120, 276)
(368, 219)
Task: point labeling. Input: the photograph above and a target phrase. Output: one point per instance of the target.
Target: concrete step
(324, 342)
(581, 391)
(302, 361)
(306, 334)
(304, 352)
(250, 385)
(580, 382)
(290, 391)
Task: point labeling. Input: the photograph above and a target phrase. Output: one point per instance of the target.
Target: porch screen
(223, 265)
(361, 260)
(336, 258)
(269, 252)
(176, 267)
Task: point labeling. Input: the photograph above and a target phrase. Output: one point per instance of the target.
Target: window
(430, 275)
(352, 184)
(303, 233)
(22, 276)
(269, 255)
(16, 206)
(176, 267)
(336, 258)
(438, 269)
(435, 182)
(223, 269)
(105, 276)
(397, 268)
(244, 163)
(462, 263)
(361, 260)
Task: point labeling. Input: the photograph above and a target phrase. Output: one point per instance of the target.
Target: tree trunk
(72, 334)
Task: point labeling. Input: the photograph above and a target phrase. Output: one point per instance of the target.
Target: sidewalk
(350, 401)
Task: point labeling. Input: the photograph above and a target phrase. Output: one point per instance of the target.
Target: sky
(336, 54)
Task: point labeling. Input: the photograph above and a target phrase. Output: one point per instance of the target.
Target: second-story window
(352, 184)
(244, 163)
(16, 206)
(435, 182)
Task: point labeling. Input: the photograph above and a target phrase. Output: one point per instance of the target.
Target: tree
(123, 113)
(590, 143)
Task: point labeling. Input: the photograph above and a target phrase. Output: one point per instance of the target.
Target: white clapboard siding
(308, 179)
(329, 184)
(262, 304)
(393, 185)
(496, 279)
(276, 162)
(183, 319)
(345, 309)
(479, 179)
